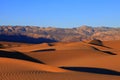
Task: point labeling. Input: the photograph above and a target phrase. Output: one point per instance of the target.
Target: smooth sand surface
(60, 61)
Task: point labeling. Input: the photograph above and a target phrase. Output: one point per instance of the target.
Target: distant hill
(32, 34)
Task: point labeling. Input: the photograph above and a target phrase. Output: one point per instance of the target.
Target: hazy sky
(60, 13)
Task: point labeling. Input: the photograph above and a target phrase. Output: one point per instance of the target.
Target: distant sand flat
(60, 61)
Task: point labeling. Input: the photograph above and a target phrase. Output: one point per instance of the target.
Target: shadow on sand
(107, 52)
(18, 55)
(93, 70)
(25, 39)
(44, 50)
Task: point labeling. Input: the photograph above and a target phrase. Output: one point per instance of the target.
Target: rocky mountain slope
(33, 34)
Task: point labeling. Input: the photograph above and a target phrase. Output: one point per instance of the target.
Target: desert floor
(60, 61)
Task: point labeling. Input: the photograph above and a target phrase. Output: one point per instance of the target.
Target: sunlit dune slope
(15, 65)
(114, 45)
(78, 54)
(13, 69)
(33, 47)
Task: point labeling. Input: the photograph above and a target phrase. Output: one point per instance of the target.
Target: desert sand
(60, 61)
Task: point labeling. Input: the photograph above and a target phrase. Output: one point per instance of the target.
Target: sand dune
(61, 61)
(71, 54)
(12, 44)
(33, 47)
(15, 65)
(12, 69)
(17, 55)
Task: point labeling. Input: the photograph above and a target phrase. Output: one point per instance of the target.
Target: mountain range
(34, 34)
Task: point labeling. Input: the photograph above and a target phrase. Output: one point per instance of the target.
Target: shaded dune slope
(17, 55)
(93, 70)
